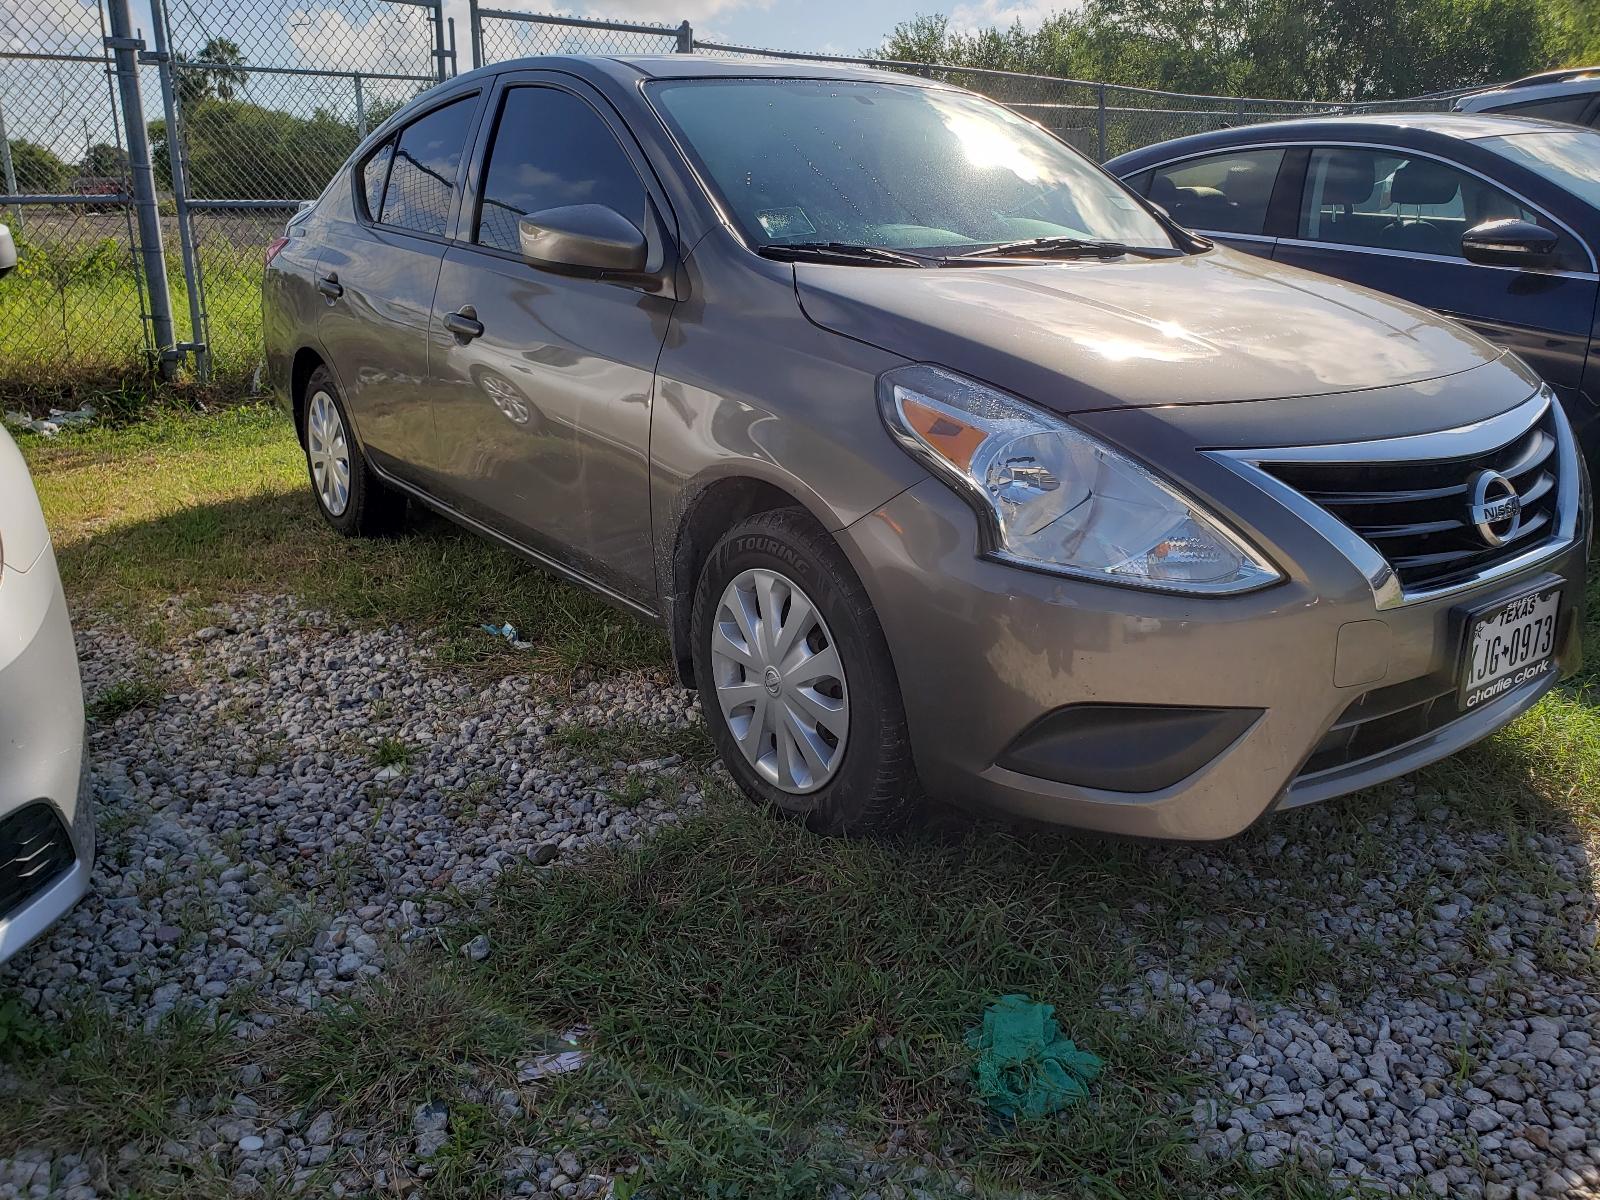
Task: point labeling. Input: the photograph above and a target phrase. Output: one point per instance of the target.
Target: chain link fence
(249, 106)
(75, 303)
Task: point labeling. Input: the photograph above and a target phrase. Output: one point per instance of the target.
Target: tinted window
(550, 150)
(1228, 193)
(374, 174)
(1557, 108)
(890, 164)
(422, 181)
(1389, 201)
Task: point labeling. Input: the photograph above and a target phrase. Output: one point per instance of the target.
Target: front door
(1393, 220)
(542, 405)
(376, 276)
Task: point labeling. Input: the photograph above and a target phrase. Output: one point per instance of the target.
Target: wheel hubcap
(780, 682)
(328, 453)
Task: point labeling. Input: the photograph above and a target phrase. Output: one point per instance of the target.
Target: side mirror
(1509, 243)
(582, 237)
(8, 252)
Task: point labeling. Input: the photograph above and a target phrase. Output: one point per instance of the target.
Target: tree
(242, 151)
(38, 169)
(104, 160)
(1286, 49)
(216, 72)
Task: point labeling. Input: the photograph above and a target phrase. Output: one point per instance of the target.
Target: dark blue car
(1492, 220)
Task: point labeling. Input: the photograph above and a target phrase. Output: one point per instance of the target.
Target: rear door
(376, 277)
(1226, 196)
(544, 417)
(1392, 219)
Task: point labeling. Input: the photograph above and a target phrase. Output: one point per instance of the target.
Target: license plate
(1509, 645)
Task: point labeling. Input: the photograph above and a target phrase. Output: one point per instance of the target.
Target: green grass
(74, 315)
(93, 1083)
(802, 982)
(391, 752)
(121, 698)
(416, 1035)
(217, 506)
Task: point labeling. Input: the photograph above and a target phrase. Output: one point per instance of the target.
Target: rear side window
(374, 174)
(550, 150)
(1556, 108)
(1224, 193)
(422, 178)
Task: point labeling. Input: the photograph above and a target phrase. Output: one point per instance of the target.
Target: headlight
(1054, 499)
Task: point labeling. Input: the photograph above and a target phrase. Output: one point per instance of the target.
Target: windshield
(1569, 159)
(882, 164)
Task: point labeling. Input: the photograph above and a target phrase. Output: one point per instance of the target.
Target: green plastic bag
(1025, 1067)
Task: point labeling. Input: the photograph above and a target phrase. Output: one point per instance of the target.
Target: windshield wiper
(1069, 247)
(843, 252)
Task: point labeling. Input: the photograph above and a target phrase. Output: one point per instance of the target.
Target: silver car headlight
(1053, 498)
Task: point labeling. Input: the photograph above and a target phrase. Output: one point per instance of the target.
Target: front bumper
(42, 762)
(986, 651)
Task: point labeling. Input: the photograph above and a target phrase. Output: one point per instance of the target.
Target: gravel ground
(295, 799)
(1472, 1069)
(254, 836)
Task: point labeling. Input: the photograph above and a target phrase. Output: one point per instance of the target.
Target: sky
(59, 104)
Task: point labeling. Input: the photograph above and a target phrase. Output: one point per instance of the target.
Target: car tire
(348, 493)
(777, 592)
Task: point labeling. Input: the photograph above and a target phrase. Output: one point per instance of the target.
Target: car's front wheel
(352, 498)
(795, 677)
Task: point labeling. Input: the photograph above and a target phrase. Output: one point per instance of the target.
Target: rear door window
(1554, 108)
(423, 178)
(1222, 193)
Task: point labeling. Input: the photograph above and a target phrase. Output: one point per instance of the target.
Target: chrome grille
(34, 852)
(1417, 513)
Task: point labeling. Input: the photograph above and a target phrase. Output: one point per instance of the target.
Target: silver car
(951, 467)
(46, 822)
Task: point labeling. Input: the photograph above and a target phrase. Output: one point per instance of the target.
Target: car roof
(701, 66)
(1465, 127)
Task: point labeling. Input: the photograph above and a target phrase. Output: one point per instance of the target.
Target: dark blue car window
(1222, 193)
(1389, 200)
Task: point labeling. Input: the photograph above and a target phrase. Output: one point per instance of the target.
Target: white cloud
(1002, 14)
(394, 39)
(52, 26)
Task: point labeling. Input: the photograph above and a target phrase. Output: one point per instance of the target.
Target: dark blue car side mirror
(1509, 243)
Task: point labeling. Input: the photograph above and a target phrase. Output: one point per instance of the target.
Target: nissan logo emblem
(1496, 511)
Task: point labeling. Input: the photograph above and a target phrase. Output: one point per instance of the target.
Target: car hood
(1080, 335)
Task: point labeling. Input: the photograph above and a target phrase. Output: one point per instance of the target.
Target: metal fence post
(361, 109)
(475, 33)
(1100, 120)
(8, 175)
(685, 38)
(439, 51)
(199, 336)
(124, 46)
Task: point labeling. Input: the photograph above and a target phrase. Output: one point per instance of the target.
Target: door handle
(464, 324)
(330, 286)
